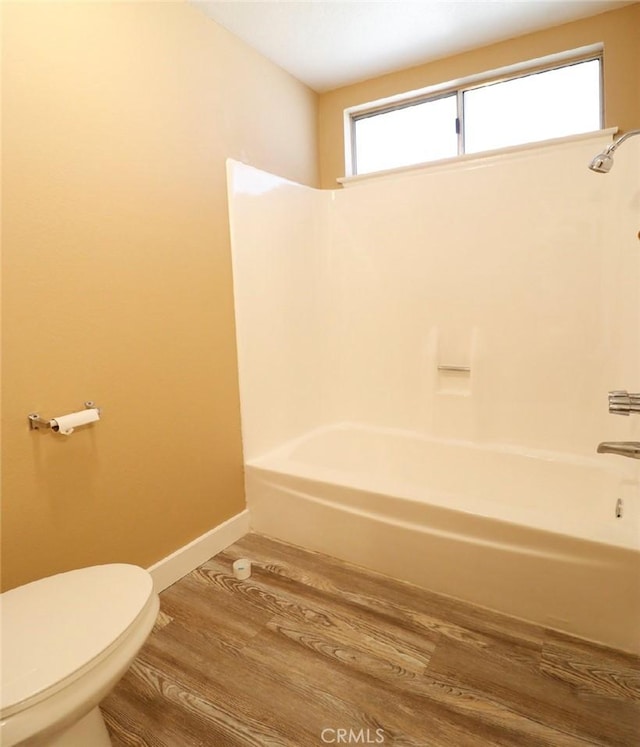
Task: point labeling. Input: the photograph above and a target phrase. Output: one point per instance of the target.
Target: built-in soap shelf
(454, 380)
(450, 354)
(454, 369)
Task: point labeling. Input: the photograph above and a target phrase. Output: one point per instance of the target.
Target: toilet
(66, 640)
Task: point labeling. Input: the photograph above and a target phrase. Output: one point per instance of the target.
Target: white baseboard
(186, 559)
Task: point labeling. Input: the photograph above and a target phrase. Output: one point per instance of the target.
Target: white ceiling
(331, 43)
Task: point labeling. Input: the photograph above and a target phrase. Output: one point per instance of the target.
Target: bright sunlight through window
(397, 137)
(540, 106)
(556, 102)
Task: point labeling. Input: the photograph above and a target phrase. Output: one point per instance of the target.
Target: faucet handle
(622, 402)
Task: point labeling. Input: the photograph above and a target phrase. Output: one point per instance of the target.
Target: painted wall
(523, 266)
(618, 30)
(117, 120)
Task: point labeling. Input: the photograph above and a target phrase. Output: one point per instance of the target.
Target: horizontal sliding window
(397, 137)
(540, 106)
(530, 107)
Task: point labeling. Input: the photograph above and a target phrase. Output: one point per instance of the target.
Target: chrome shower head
(603, 162)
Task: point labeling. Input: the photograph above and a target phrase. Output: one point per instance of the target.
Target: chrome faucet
(623, 403)
(623, 448)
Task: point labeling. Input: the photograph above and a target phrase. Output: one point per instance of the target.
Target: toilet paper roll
(65, 424)
(242, 568)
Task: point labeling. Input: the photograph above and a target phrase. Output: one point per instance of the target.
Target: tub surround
(519, 267)
(463, 321)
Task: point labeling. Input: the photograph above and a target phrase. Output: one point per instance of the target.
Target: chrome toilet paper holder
(36, 422)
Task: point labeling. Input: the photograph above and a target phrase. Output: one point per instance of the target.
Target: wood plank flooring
(313, 651)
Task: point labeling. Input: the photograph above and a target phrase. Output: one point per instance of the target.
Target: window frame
(458, 88)
(396, 107)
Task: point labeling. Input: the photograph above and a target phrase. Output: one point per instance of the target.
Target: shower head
(603, 162)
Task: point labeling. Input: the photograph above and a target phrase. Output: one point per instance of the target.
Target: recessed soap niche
(453, 355)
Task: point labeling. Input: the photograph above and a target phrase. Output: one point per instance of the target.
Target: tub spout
(623, 448)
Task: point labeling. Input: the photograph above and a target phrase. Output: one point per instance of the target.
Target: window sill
(485, 156)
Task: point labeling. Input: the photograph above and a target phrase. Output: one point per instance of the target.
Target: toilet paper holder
(36, 422)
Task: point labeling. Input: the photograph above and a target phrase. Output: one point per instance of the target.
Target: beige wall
(117, 120)
(618, 30)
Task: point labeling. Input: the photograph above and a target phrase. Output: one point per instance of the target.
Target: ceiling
(331, 43)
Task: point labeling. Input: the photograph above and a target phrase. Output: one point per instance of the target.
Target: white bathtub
(531, 534)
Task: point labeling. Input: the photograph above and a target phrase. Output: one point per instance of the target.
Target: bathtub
(532, 534)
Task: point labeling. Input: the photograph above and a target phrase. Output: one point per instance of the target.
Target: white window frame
(458, 87)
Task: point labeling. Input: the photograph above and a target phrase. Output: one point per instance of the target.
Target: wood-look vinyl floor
(313, 651)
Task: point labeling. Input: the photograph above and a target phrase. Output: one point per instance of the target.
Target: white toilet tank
(58, 629)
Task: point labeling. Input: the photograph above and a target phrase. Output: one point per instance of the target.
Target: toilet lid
(52, 628)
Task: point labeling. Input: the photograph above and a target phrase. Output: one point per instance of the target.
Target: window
(525, 108)
(396, 137)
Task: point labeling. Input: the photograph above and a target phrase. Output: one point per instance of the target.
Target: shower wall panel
(523, 267)
(279, 239)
